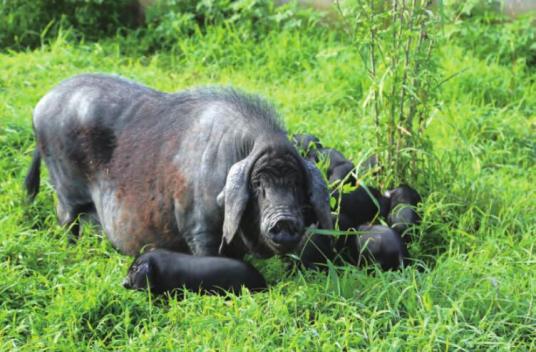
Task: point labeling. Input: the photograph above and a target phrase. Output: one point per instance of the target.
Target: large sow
(206, 171)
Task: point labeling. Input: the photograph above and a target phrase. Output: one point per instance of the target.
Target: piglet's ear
(145, 273)
(234, 198)
(318, 194)
(144, 269)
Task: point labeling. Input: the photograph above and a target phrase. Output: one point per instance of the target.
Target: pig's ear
(234, 198)
(146, 272)
(145, 269)
(318, 194)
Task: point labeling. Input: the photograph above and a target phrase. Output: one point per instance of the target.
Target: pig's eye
(258, 188)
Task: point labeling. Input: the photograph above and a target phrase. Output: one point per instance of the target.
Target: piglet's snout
(126, 283)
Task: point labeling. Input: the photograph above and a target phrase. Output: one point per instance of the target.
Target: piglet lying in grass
(338, 166)
(379, 244)
(403, 201)
(360, 206)
(308, 144)
(162, 271)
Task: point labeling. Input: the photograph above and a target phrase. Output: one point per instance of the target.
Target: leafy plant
(169, 20)
(27, 23)
(398, 41)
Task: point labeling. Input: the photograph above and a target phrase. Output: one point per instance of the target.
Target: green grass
(477, 290)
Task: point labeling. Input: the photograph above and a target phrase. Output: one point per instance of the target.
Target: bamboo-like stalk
(394, 62)
(373, 70)
(403, 88)
(402, 74)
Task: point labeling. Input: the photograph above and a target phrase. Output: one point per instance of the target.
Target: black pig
(381, 245)
(162, 271)
(402, 213)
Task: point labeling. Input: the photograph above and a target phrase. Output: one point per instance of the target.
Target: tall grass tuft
(397, 40)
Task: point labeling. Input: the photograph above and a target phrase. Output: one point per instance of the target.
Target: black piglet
(163, 271)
